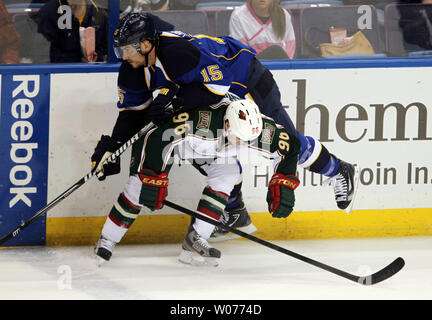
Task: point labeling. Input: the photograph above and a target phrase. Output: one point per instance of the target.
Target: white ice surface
(247, 271)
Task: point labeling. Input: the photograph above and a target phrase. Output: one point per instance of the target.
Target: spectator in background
(156, 5)
(145, 5)
(160, 25)
(64, 35)
(150, 5)
(416, 27)
(265, 26)
(9, 38)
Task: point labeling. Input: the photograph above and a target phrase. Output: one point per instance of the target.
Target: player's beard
(136, 64)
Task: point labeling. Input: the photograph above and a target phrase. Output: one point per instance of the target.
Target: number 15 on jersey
(212, 73)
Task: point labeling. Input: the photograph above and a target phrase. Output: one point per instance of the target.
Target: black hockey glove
(165, 105)
(104, 148)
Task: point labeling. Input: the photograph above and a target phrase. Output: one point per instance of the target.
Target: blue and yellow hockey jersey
(204, 67)
(212, 66)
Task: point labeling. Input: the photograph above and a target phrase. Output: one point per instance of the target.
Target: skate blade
(250, 229)
(195, 259)
(99, 261)
(356, 180)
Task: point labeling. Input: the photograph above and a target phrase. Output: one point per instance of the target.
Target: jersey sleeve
(134, 98)
(133, 91)
(279, 145)
(128, 123)
(158, 145)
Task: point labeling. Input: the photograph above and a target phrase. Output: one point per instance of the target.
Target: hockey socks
(212, 205)
(233, 200)
(120, 218)
(342, 176)
(195, 248)
(316, 158)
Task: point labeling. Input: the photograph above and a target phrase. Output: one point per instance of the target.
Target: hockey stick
(78, 184)
(378, 276)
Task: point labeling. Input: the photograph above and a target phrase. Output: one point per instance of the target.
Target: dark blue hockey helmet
(134, 28)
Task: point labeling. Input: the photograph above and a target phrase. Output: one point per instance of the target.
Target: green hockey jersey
(199, 135)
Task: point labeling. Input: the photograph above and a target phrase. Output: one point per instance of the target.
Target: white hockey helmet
(244, 119)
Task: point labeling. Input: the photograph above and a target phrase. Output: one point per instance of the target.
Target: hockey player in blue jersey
(193, 71)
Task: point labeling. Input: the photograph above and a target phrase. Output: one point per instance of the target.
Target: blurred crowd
(77, 30)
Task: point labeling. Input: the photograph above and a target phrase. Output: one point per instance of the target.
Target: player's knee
(226, 178)
(132, 189)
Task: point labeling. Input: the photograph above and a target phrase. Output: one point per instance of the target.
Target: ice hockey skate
(345, 184)
(197, 252)
(237, 218)
(103, 250)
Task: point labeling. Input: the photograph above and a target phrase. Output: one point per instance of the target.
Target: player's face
(232, 138)
(235, 141)
(131, 55)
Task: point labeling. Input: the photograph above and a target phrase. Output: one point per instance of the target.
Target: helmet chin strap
(146, 55)
(231, 137)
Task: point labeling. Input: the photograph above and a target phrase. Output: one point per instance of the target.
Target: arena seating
(219, 5)
(310, 17)
(222, 22)
(310, 3)
(411, 17)
(34, 47)
(189, 21)
(316, 21)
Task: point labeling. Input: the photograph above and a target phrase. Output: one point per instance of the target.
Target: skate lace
(339, 185)
(107, 244)
(203, 243)
(224, 217)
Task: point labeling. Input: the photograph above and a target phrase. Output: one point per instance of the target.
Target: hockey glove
(105, 147)
(280, 195)
(164, 106)
(154, 189)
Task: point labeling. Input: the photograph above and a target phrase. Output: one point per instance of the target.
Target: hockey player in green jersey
(195, 71)
(216, 134)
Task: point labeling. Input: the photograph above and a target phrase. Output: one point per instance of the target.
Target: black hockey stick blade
(377, 277)
(384, 273)
(74, 187)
